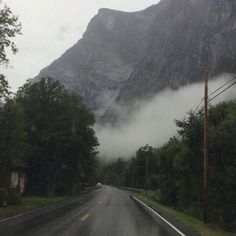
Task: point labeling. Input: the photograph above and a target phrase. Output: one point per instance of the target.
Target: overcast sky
(52, 26)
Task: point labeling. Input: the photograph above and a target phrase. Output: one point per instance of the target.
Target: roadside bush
(13, 197)
(154, 195)
(194, 211)
(3, 197)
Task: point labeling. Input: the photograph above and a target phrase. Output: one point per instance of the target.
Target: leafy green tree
(60, 135)
(189, 161)
(167, 172)
(12, 141)
(144, 156)
(222, 153)
(222, 168)
(132, 173)
(4, 88)
(9, 28)
(114, 173)
(12, 138)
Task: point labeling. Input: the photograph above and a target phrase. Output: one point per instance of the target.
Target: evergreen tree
(60, 136)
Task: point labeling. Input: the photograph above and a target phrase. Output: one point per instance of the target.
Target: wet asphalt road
(105, 212)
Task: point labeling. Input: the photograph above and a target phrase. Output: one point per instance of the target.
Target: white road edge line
(34, 211)
(26, 213)
(155, 213)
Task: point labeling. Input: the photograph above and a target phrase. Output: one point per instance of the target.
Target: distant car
(98, 185)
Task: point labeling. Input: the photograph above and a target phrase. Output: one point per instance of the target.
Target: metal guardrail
(135, 190)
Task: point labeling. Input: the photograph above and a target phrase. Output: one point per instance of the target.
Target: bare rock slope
(124, 57)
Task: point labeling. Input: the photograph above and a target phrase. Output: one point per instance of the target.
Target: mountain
(124, 57)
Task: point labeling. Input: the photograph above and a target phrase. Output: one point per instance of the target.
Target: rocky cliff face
(124, 57)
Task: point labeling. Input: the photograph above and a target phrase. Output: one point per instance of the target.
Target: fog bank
(153, 123)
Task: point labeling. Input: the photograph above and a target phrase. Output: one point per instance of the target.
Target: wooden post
(146, 179)
(205, 164)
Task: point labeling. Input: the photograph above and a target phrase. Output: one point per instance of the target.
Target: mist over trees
(175, 170)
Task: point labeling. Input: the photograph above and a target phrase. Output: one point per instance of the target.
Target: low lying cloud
(153, 123)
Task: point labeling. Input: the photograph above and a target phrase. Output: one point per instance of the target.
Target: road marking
(24, 214)
(155, 213)
(84, 217)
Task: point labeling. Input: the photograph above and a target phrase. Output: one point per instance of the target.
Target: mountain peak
(125, 56)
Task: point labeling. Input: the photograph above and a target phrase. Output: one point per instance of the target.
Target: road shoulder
(186, 224)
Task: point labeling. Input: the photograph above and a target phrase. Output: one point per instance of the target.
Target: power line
(222, 91)
(222, 86)
(210, 99)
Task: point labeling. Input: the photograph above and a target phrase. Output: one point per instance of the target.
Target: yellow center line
(84, 217)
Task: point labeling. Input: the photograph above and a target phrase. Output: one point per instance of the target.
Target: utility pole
(205, 164)
(146, 179)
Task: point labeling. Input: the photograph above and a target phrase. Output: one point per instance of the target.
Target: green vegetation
(45, 132)
(183, 218)
(12, 133)
(50, 131)
(176, 169)
(61, 142)
(12, 138)
(10, 27)
(31, 203)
